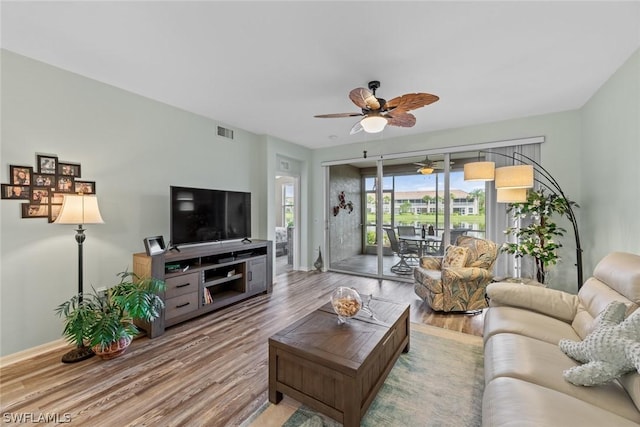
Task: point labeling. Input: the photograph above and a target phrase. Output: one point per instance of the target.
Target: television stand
(204, 278)
(246, 240)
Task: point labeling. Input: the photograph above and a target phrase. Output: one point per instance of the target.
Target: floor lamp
(79, 209)
(515, 181)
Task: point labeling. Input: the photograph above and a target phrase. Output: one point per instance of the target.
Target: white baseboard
(34, 351)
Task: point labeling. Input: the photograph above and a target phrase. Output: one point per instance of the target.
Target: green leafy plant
(538, 239)
(101, 318)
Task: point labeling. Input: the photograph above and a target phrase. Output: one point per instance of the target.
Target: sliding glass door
(379, 208)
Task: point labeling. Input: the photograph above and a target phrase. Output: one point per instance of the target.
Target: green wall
(134, 148)
(609, 170)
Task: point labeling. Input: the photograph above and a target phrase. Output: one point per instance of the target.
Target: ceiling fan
(379, 112)
(427, 166)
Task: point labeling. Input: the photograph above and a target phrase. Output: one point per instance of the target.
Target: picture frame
(20, 175)
(154, 245)
(19, 192)
(35, 211)
(43, 180)
(69, 169)
(64, 184)
(39, 195)
(85, 187)
(47, 164)
(54, 211)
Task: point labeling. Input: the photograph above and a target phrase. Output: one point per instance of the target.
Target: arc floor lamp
(512, 183)
(79, 209)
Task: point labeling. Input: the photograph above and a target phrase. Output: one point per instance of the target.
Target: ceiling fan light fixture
(425, 170)
(373, 124)
(479, 171)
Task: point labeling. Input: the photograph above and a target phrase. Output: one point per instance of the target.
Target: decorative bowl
(346, 302)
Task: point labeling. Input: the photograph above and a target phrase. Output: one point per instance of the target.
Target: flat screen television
(200, 215)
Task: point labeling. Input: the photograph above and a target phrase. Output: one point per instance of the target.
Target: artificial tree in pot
(104, 320)
(538, 239)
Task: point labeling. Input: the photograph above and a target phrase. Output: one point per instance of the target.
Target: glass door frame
(446, 151)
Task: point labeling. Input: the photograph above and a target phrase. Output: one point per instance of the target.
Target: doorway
(286, 206)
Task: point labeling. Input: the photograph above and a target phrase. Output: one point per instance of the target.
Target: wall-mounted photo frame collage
(43, 188)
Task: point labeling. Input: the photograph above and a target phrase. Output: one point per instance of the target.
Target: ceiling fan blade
(406, 120)
(332, 116)
(408, 102)
(363, 98)
(356, 128)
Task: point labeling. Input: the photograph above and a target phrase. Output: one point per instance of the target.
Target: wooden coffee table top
(343, 347)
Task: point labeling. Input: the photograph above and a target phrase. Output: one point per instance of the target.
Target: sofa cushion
(609, 351)
(621, 271)
(542, 363)
(594, 297)
(513, 402)
(631, 383)
(528, 323)
(455, 256)
(558, 304)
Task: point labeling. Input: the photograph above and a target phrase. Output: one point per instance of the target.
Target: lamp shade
(511, 195)
(520, 176)
(373, 123)
(479, 171)
(79, 209)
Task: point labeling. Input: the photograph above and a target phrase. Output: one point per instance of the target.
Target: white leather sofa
(523, 364)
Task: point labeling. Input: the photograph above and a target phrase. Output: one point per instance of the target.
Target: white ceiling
(269, 67)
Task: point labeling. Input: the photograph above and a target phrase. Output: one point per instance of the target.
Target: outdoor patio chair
(407, 255)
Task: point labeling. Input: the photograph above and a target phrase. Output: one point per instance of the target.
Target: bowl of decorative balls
(346, 302)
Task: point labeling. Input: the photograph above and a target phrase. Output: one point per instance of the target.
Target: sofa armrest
(551, 302)
(431, 263)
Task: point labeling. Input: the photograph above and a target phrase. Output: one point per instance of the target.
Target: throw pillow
(455, 256)
(608, 352)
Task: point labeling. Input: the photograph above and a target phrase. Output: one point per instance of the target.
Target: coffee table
(334, 368)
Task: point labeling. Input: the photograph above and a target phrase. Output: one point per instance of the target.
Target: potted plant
(538, 238)
(104, 320)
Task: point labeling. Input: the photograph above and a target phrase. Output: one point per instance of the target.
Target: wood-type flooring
(212, 370)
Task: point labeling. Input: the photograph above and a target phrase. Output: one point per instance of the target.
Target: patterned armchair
(457, 281)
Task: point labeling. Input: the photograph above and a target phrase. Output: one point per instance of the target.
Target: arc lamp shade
(511, 195)
(520, 176)
(479, 171)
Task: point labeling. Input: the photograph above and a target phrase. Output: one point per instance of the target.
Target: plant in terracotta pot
(104, 320)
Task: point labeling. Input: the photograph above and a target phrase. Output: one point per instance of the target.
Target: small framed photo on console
(154, 245)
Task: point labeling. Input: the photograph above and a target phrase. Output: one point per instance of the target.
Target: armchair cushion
(482, 253)
(455, 256)
(431, 263)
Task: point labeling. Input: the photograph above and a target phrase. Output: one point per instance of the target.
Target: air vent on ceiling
(225, 133)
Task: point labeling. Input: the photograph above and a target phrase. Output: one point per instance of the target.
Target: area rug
(439, 382)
